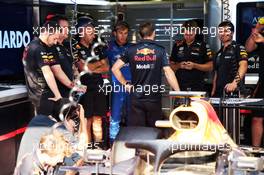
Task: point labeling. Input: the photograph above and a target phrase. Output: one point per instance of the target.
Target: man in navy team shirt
(146, 60)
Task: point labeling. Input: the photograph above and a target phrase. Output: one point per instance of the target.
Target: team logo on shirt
(228, 57)
(145, 51)
(181, 48)
(243, 52)
(195, 53)
(145, 66)
(48, 58)
(145, 54)
(145, 58)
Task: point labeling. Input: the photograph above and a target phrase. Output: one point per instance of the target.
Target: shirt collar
(231, 44)
(115, 42)
(195, 41)
(42, 43)
(147, 41)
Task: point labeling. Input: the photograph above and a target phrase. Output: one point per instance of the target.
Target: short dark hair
(190, 24)
(121, 25)
(85, 21)
(227, 24)
(51, 27)
(50, 107)
(68, 112)
(146, 29)
(57, 18)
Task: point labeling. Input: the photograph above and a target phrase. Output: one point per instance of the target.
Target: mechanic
(63, 71)
(46, 159)
(93, 101)
(119, 100)
(230, 63)
(42, 125)
(37, 60)
(190, 59)
(256, 42)
(146, 60)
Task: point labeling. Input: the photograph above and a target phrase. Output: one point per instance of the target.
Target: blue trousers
(120, 102)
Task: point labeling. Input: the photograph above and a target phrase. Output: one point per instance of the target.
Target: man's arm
(116, 69)
(254, 38)
(242, 58)
(174, 61)
(214, 84)
(83, 132)
(250, 44)
(96, 67)
(171, 78)
(177, 65)
(49, 77)
(243, 65)
(61, 76)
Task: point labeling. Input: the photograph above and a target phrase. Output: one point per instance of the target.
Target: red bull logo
(146, 51)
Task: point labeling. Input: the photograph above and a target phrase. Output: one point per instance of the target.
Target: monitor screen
(15, 33)
(247, 16)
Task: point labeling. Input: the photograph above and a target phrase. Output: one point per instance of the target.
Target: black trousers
(144, 112)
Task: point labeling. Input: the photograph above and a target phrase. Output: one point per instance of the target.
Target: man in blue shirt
(119, 98)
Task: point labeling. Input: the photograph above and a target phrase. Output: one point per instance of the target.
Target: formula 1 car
(193, 142)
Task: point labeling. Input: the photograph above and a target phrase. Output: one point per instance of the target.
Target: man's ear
(114, 33)
(154, 34)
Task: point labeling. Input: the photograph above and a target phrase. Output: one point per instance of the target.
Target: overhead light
(82, 2)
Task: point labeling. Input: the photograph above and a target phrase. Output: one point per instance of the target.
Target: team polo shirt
(36, 55)
(198, 52)
(146, 60)
(226, 64)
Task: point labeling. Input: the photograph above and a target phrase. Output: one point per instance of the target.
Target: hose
(226, 10)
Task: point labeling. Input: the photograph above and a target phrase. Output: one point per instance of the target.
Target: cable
(73, 24)
(226, 10)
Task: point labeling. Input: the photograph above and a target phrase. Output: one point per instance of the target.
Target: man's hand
(189, 65)
(55, 98)
(231, 87)
(81, 88)
(257, 37)
(258, 27)
(183, 65)
(129, 87)
(171, 78)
